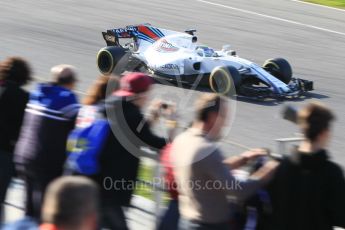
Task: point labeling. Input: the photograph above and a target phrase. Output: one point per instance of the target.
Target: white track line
(272, 17)
(319, 5)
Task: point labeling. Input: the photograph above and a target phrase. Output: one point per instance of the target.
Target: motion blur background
(311, 38)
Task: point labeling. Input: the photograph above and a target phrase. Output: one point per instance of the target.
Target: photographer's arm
(241, 189)
(235, 162)
(266, 172)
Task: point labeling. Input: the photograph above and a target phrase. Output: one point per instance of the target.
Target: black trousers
(171, 217)
(113, 217)
(6, 173)
(36, 185)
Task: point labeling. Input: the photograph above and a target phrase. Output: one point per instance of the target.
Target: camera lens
(290, 113)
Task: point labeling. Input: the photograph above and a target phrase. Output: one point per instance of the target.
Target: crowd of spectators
(303, 190)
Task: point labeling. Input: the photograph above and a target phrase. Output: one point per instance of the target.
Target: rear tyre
(280, 68)
(108, 57)
(223, 79)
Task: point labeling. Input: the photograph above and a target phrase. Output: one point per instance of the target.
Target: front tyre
(223, 79)
(280, 68)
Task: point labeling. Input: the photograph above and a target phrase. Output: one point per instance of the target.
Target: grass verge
(146, 173)
(332, 3)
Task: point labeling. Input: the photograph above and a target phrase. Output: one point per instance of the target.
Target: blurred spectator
(119, 160)
(308, 191)
(41, 149)
(171, 217)
(103, 87)
(91, 129)
(94, 101)
(70, 203)
(202, 175)
(14, 73)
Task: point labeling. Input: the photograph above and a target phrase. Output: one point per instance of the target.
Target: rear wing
(112, 36)
(144, 32)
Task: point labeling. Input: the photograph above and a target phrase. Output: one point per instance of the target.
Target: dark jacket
(119, 160)
(13, 101)
(308, 193)
(49, 117)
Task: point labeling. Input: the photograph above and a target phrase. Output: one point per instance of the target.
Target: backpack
(86, 141)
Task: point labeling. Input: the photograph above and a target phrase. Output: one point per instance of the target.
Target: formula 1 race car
(177, 56)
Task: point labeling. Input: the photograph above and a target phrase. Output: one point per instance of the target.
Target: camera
(165, 106)
(165, 109)
(290, 113)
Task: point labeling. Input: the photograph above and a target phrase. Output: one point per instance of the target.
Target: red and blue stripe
(149, 34)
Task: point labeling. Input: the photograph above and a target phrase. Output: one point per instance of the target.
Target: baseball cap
(63, 74)
(133, 83)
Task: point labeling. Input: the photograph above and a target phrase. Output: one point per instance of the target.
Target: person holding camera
(308, 190)
(203, 177)
(119, 158)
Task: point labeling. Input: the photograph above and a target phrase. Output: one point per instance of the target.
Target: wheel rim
(272, 66)
(220, 81)
(105, 62)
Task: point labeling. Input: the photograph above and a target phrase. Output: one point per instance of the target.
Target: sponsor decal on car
(166, 47)
(132, 28)
(125, 30)
(167, 68)
(170, 67)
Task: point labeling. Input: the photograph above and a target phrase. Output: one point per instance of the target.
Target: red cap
(133, 83)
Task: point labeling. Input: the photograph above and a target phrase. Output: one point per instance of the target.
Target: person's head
(64, 75)
(212, 113)
(71, 202)
(16, 70)
(136, 87)
(315, 121)
(104, 86)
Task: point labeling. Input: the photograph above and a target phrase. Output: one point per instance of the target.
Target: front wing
(297, 86)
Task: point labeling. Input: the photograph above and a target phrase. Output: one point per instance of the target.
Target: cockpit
(205, 51)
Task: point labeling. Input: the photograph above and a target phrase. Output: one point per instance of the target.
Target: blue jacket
(49, 117)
